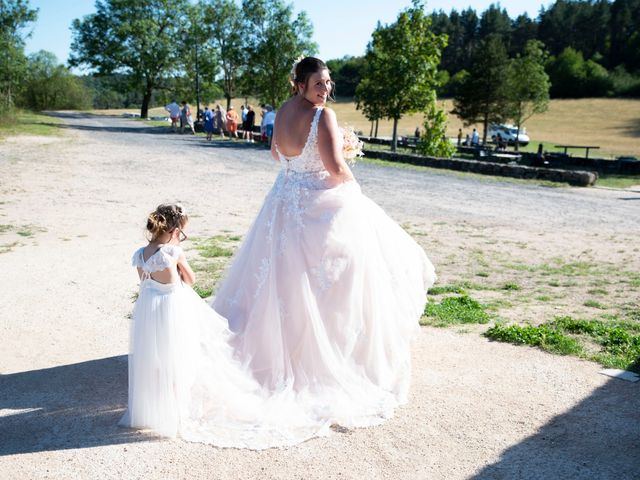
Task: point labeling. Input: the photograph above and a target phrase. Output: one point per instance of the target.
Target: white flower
(293, 68)
(352, 146)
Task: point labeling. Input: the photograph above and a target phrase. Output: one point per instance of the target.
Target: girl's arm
(330, 147)
(186, 274)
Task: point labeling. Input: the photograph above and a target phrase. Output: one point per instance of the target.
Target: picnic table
(586, 147)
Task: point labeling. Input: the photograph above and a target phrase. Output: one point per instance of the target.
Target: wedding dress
(325, 295)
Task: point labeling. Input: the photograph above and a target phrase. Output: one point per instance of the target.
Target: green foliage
(573, 77)
(224, 32)
(202, 292)
(49, 85)
(274, 40)
(15, 15)
(139, 38)
(400, 76)
(346, 72)
(28, 123)
(527, 91)
(434, 142)
(618, 340)
(511, 286)
(455, 310)
(482, 97)
(543, 336)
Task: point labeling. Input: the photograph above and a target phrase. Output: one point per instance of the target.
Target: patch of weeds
(544, 298)
(597, 291)
(511, 286)
(455, 310)
(594, 304)
(498, 304)
(618, 341)
(8, 247)
(460, 288)
(554, 283)
(5, 228)
(25, 233)
(134, 297)
(218, 246)
(202, 292)
(482, 274)
(543, 336)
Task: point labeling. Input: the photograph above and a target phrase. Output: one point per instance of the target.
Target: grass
(594, 304)
(23, 122)
(213, 256)
(617, 342)
(618, 181)
(453, 311)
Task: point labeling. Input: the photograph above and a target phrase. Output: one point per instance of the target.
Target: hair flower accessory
(293, 68)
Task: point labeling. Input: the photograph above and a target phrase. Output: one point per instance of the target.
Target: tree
(346, 72)
(15, 15)
(434, 141)
(135, 37)
(403, 58)
(527, 85)
(369, 98)
(275, 40)
(223, 21)
(50, 85)
(482, 96)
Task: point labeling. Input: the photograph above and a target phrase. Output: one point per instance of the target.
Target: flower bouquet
(352, 147)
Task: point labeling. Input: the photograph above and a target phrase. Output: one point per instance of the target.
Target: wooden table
(586, 147)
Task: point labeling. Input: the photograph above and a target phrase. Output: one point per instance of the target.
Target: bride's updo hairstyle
(165, 218)
(303, 69)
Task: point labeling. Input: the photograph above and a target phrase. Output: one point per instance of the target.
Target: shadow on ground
(632, 129)
(597, 438)
(70, 406)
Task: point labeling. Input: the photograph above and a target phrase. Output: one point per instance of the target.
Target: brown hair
(304, 69)
(166, 218)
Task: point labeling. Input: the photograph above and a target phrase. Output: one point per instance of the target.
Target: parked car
(509, 133)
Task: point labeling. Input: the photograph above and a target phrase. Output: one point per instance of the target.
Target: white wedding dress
(324, 296)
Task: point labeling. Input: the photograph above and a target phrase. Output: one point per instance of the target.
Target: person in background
(186, 118)
(174, 114)
(207, 116)
(417, 133)
(475, 138)
(459, 136)
(232, 122)
(219, 120)
(268, 121)
(249, 124)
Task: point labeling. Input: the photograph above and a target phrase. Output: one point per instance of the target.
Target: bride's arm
(330, 147)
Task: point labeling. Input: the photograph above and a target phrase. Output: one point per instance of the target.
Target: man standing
(267, 122)
(174, 114)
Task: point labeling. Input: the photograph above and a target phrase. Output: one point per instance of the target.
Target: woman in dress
(326, 291)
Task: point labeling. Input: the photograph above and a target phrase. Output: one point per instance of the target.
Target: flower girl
(183, 379)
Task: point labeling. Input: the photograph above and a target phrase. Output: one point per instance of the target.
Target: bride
(326, 291)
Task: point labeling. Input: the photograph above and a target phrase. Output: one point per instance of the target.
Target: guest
(218, 121)
(174, 114)
(460, 136)
(232, 122)
(475, 138)
(267, 122)
(207, 116)
(248, 125)
(186, 118)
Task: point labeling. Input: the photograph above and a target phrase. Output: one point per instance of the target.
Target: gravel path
(71, 214)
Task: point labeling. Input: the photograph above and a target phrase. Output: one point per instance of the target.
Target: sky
(341, 27)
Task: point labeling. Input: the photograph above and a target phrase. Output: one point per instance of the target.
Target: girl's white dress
(325, 294)
(184, 380)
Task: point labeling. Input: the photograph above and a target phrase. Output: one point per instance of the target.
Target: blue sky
(341, 27)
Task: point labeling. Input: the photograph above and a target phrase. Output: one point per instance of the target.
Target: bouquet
(352, 147)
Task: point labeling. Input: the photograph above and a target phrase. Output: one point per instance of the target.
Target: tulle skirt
(324, 296)
(185, 382)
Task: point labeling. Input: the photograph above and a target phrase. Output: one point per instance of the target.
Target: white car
(509, 133)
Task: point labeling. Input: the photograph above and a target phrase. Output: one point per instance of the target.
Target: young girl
(183, 379)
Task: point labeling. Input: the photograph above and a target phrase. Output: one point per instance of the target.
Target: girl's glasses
(182, 236)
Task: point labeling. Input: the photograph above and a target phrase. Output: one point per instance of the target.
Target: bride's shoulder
(328, 119)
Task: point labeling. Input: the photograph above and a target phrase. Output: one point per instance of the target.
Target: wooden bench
(586, 147)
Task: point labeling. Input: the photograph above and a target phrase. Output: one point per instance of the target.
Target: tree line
(593, 46)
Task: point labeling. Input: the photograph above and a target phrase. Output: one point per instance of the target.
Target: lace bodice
(309, 159)
(165, 257)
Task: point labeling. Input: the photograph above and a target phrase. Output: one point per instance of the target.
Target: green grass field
(23, 122)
